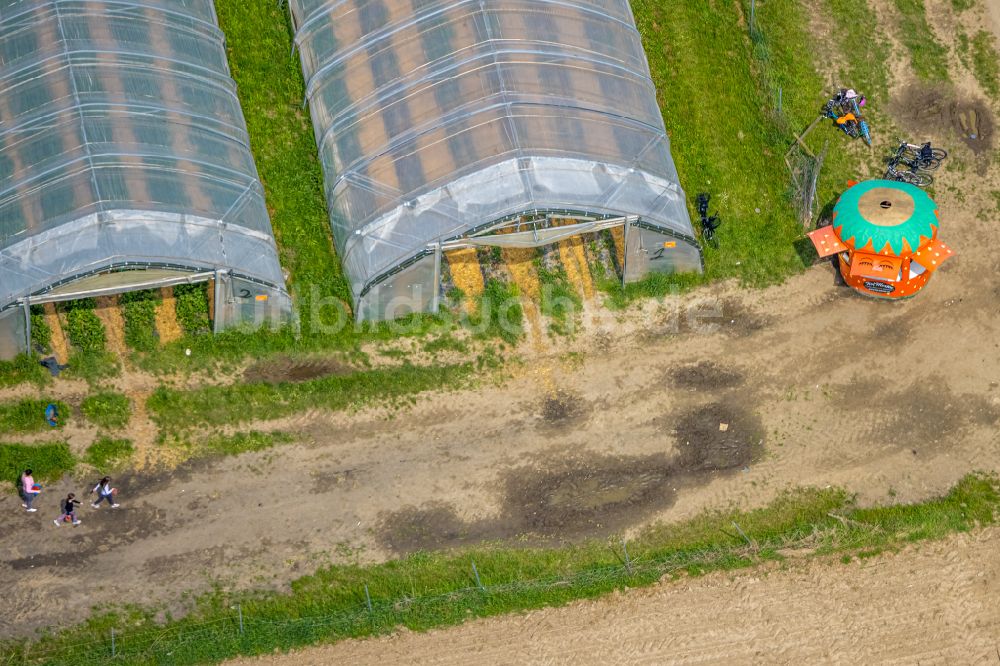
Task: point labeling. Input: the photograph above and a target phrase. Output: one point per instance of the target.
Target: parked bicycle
(921, 156)
(918, 178)
(844, 109)
(708, 223)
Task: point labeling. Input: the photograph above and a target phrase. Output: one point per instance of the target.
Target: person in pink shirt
(29, 491)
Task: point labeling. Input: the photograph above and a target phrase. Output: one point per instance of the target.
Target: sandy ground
(814, 385)
(895, 401)
(932, 604)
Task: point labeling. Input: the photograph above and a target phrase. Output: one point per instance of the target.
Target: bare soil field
(930, 604)
(722, 396)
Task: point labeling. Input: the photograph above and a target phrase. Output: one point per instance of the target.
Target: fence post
(113, 651)
(743, 534)
(368, 599)
(752, 8)
(628, 562)
(475, 572)
(239, 611)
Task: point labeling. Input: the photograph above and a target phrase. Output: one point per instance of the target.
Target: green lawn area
(271, 90)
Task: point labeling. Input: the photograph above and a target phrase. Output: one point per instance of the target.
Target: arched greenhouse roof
(122, 144)
(436, 118)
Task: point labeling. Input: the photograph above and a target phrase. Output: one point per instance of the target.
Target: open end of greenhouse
(440, 124)
(125, 162)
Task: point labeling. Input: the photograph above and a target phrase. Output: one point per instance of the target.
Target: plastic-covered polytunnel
(442, 123)
(125, 161)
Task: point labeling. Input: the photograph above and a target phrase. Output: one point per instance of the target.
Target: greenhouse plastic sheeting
(438, 117)
(122, 143)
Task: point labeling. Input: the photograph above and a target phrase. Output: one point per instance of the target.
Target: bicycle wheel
(928, 165)
(939, 153)
(914, 178)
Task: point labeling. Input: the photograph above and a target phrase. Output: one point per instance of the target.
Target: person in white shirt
(105, 492)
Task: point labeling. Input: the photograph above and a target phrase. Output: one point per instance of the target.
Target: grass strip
(23, 368)
(427, 590)
(107, 454)
(29, 415)
(48, 462)
(271, 90)
(928, 57)
(986, 63)
(107, 409)
(174, 409)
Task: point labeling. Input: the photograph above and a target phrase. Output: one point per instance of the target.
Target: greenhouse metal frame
(125, 162)
(444, 123)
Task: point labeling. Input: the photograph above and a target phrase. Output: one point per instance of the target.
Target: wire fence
(804, 165)
(239, 632)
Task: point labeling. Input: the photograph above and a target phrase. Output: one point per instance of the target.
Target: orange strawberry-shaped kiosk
(886, 236)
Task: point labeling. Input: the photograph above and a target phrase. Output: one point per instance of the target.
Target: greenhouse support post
(27, 325)
(625, 252)
(219, 306)
(436, 299)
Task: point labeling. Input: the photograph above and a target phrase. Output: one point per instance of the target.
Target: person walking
(104, 492)
(29, 491)
(69, 510)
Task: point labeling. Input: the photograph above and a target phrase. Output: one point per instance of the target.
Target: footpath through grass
(429, 590)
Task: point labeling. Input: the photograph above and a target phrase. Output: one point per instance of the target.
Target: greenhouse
(444, 125)
(125, 162)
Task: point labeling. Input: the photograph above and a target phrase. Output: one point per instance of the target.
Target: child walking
(69, 510)
(104, 492)
(29, 491)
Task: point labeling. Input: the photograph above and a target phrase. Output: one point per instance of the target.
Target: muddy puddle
(704, 376)
(589, 496)
(934, 109)
(285, 369)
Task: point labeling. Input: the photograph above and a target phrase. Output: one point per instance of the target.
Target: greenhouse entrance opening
(417, 285)
(233, 299)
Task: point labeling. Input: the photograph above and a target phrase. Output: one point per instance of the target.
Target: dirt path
(817, 386)
(931, 604)
(893, 401)
(110, 314)
(60, 347)
(166, 316)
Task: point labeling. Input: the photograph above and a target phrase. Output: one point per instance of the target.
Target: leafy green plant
(139, 312)
(84, 327)
(107, 454)
(498, 312)
(41, 334)
(48, 462)
(29, 415)
(107, 409)
(559, 301)
(192, 308)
